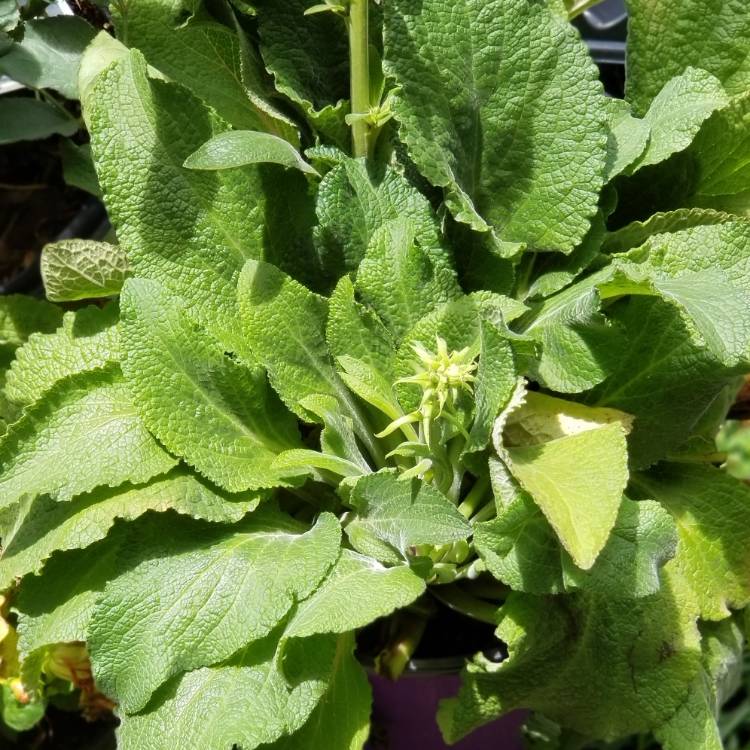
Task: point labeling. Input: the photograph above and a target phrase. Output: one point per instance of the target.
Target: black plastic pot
(404, 711)
(604, 29)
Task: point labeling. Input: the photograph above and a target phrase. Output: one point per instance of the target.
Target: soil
(35, 205)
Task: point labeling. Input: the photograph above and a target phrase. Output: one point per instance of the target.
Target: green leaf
(580, 347)
(469, 112)
(103, 50)
(357, 591)
(707, 174)
(337, 437)
(354, 202)
(354, 331)
(724, 172)
(86, 433)
(495, 383)
(717, 319)
(284, 324)
(399, 281)
(578, 483)
(520, 548)
(303, 461)
(643, 539)
(677, 113)
(636, 233)
(56, 606)
(689, 33)
(628, 138)
(238, 148)
(49, 54)
(404, 514)
(722, 246)
(601, 667)
(194, 599)
(78, 167)
(555, 272)
(663, 379)
(82, 269)
(9, 15)
(20, 316)
(217, 413)
(309, 59)
(87, 340)
(206, 57)
(694, 725)
(48, 526)
(341, 720)
(191, 231)
(713, 556)
(247, 702)
(24, 119)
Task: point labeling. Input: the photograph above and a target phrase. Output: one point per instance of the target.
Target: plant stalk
(359, 48)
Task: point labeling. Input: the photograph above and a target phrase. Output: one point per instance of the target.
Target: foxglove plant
(405, 309)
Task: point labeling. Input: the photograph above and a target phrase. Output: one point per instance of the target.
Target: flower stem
(461, 601)
(359, 49)
(475, 497)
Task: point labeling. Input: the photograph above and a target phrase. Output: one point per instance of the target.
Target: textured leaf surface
(56, 606)
(405, 513)
(694, 725)
(556, 272)
(194, 601)
(218, 413)
(48, 526)
(643, 539)
(636, 233)
(82, 269)
(357, 591)
(711, 36)
(245, 703)
(650, 646)
(352, 204)
(520, 548)
(238, 148)
(87, 340)
(713, 309)
(285, 327)
(399, 280)
(628, 138)
(578, 482)
(677, 113)
(580, 347)
(190, 230)
(495, 383)
(193, 50)
(49, 53)
(356, 332)
(712, 512)
(507, 117)
(663, 379)
(341, 720)
(20, 316)
(309, 59)
(86, 433)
